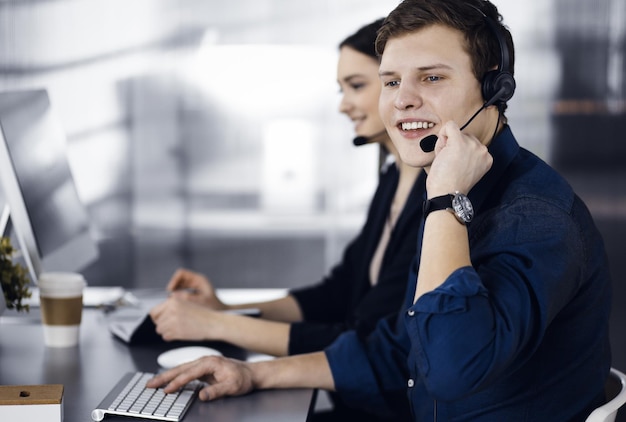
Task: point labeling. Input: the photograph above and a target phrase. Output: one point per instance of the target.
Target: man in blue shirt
(507, 306)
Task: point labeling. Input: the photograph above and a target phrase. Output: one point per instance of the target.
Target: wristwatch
(457, 203)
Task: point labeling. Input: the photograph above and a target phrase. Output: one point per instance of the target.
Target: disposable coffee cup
(61, 302)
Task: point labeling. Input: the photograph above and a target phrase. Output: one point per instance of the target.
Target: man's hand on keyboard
(223, 376)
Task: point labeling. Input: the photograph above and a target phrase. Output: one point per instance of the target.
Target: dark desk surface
(90, 370)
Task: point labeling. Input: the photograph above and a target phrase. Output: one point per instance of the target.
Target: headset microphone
(362, 140)
(428, 143)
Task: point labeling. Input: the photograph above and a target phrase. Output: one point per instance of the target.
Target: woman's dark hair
(364, 39)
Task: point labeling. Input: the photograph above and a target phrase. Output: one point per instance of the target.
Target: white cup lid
(61, 284)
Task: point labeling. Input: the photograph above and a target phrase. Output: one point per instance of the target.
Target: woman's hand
(194, 287)
(178, 319)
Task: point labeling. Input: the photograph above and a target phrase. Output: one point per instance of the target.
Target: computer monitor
(43, 209)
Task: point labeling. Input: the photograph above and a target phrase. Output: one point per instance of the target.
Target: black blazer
(345, 299)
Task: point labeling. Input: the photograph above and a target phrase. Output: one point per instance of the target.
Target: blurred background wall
(206, 134)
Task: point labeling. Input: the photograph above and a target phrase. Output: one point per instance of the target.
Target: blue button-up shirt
(521, 335)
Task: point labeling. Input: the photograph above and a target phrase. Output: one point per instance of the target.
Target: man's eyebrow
(429, 68)
(386, 73)
(434, 67)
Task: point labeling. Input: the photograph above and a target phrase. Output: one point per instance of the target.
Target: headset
(498, 85)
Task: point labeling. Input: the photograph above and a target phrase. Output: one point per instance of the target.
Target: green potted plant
(13, 277)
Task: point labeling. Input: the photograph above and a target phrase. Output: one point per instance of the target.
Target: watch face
(463, 207)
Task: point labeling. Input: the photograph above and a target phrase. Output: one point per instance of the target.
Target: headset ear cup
(505, 84)
(498, 84)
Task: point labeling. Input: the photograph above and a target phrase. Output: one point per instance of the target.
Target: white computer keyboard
(130, 397)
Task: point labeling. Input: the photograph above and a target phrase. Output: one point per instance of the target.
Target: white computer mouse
(175, 357)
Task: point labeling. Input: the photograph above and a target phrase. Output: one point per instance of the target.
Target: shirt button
(410, 312)
(411, 383)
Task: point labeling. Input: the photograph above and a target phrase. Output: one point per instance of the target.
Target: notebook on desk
(134, 330)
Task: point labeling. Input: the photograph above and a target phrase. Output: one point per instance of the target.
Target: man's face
(427, 80)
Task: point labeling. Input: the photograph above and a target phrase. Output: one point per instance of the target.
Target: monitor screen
(45, 211)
